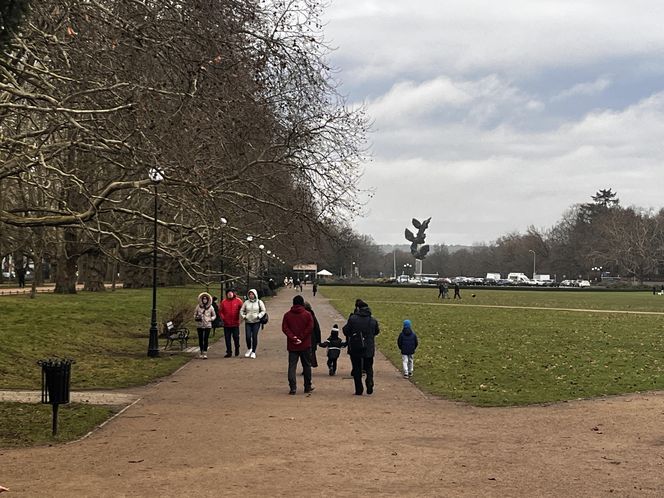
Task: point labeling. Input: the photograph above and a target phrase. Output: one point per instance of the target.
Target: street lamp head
(261, 247)
(249, 238)
(223, 222)
(268, 252)
(156, 175)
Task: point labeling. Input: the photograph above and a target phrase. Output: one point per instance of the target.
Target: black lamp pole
(249, 239)
(153, 346)
(221, 259)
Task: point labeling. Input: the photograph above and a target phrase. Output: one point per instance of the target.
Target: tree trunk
(65, 270)
(95, 267)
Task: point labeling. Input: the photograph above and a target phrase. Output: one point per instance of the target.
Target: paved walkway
(227, 427)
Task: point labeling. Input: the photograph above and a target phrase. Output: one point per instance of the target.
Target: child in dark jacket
(333, 345)
(407, 343)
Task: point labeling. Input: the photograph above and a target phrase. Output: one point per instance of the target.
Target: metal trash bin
(56, 377)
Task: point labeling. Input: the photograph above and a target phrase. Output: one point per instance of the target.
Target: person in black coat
(315, 335)
(216, 323)
(360, 331)
(333, 345)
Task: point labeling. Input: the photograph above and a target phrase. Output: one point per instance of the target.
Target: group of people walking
(228, 314)
(303, 336)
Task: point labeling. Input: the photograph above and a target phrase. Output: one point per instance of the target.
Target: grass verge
(500, 357)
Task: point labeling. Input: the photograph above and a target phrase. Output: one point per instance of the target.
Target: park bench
(173, 334)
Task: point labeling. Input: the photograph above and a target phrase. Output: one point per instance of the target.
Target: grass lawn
(105, 333)
(502, 356)
(31, 424)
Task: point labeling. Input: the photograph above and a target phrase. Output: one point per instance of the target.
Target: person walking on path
(298, 325)
(315, 336)
(441, 290)
(204, 316)
(216, 323)
(360, 331)
(407, 343)
(314, 288)
(333, 345)
(457, 290)
(230, 315)
(251, 312)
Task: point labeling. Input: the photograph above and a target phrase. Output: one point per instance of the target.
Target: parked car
(583, 283)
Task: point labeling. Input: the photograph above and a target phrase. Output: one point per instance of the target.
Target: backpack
(356, 342)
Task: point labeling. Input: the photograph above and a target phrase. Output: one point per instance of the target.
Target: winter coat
(361, 321)
(298, 324)
(230, 311)
(333, 345)
(407, 341)
(216, 323)
(252, 309)
(204, 314)
(315, 334)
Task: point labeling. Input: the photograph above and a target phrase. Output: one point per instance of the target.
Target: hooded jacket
(229, 309)
(361, 321)
(252, 309)
(297, 324)
(407, 341)
(204, 312)
(333, 344)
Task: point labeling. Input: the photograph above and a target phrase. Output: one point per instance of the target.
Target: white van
(519, 279)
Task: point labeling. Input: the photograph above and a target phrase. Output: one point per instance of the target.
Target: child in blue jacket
(407, 343)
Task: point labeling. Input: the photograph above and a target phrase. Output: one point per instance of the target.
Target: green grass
(105, 333)
(496, 357)
(29, 425)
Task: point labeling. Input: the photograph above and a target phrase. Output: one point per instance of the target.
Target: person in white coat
(204, 315)
(253, 309)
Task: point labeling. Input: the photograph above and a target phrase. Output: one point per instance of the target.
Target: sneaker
(252, 355)
(309, 390)
(205, 356)
(292, 391)
(331, 372)
(227, 355)
(406, 375)
(410, 374)
(237, 352)
(200, 355)
(370, 390)
(248, 353)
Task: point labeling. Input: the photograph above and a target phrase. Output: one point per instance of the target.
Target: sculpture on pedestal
(417, 247)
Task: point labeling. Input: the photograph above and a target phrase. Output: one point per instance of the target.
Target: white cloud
(584, 89)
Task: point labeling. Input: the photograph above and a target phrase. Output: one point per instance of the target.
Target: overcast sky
(491, 116)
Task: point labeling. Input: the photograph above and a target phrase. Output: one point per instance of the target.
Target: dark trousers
(332, 364)
(251, 334)
(293, 357)
(203, 336)
(235, 333)
(359, 363)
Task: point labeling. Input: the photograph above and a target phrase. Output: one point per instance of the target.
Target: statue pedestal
(418, 267)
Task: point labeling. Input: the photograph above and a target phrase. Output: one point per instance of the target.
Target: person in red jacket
(230, 316)
(298, 325)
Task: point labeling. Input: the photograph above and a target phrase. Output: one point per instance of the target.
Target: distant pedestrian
(204, 316)
(298, 325)
(360, 331)
(441, 290)
(20, 274)
(407, 343)
(253, 309)
(216, 323)
(314, 288)
(333, 345)
(230, 315)
(457, 290)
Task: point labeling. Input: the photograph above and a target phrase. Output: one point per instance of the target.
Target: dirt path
(226, 427)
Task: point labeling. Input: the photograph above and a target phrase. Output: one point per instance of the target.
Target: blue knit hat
(406, 323)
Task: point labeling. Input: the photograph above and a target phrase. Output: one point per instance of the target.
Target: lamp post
(407, 268)
(534, 254)
(156, 176)
(352, 269)
(222, 277)
(249, 239)
(260, 268)
(598, 269)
